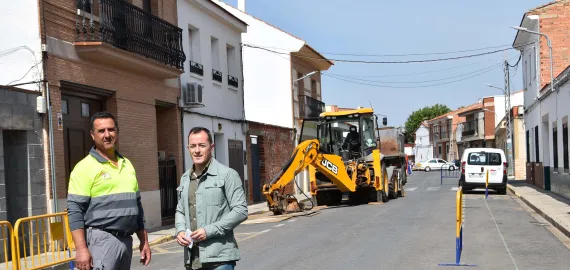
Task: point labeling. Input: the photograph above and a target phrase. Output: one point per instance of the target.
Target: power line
(419, 86)
(394, 55)
(383, 62)
(411, 82)
(415, 73)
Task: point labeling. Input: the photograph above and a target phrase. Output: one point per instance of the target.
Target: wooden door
(77, 112)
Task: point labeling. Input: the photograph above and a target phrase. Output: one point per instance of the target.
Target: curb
(157, 241)
(540, 212)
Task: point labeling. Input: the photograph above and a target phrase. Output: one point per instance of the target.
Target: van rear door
(479, 162)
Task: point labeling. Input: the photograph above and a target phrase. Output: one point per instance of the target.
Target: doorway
(236, 154)
(255, 170)
(76, 112)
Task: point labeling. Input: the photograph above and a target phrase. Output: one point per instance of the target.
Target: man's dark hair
(196, 130)
(103, 115)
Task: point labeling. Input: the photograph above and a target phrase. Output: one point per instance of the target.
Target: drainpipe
(52, 154)
(49, 114)
(183, 167)
(244, 123)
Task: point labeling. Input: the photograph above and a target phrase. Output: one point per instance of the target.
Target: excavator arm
(305, 154)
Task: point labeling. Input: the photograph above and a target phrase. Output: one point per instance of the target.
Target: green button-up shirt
(219, 207)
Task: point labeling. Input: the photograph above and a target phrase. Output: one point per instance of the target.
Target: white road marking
(291, 220)
(432, 188)
(500, 234)
(410, 189)
(278, 225)
(454, 188)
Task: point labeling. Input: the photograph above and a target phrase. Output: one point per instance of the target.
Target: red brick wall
(135, 111)
(555, 23)
(169, 137)
(489, 105)
(275, 148)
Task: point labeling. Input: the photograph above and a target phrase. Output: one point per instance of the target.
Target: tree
(418, 116)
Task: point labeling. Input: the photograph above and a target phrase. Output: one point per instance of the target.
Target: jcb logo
(327, 164)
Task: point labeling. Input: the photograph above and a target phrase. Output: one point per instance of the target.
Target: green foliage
(423, 114)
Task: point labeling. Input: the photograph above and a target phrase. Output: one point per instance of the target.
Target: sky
(372, 27)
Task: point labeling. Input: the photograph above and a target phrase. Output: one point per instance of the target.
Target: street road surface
(413, 232)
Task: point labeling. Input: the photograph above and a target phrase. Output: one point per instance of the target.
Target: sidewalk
(166, 233)
(552, 207)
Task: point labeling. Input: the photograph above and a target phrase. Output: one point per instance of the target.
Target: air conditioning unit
(192, 95)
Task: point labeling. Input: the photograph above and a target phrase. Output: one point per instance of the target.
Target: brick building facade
(106, 55)
(269, 147)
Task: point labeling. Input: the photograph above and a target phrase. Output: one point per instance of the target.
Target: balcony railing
(469, 128)
(130, 28)
(196, 68)
(216, 75)
(233, 81)
(310, 107)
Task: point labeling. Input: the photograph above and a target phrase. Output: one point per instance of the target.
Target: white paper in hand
(188, 233)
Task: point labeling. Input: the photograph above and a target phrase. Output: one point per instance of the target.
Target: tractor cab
(351, 134)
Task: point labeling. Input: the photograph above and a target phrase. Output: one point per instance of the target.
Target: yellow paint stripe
(254, 235)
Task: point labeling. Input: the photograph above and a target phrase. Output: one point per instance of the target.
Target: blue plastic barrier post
(487, 184)
(71, 263)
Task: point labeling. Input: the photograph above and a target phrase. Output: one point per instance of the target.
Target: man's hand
(83, 259)
(199, 235)
(180, 237)
(145, 253)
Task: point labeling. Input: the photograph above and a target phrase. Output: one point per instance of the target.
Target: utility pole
(507, 93)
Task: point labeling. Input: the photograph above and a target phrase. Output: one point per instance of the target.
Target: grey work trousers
(109, 252)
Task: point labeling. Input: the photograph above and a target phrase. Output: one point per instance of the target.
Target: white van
(474, 165)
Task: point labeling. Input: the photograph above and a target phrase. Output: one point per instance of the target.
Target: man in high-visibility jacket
(104, 203)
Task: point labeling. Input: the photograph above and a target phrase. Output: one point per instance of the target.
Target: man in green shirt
(211, 203)
(104, 203)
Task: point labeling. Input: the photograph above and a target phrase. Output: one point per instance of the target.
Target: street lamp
(298, 178)
(509, 130)
(496, 87)
(549, 47)
(308, 74)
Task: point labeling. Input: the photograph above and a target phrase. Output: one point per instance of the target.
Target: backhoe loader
(350, 163)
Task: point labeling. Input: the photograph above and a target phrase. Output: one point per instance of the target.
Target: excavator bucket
(288, 204)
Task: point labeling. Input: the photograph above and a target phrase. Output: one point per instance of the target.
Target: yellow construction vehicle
(344, 158)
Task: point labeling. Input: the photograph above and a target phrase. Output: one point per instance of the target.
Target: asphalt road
(413, 232)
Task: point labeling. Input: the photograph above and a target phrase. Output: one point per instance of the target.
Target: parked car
(434, 164)
(475, 163)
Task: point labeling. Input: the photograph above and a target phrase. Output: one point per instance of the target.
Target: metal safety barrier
(7, 238)
(448, 172)
(43, 241)
(459, 219)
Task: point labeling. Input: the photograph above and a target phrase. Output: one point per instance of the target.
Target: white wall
(424, 150)
(219, 99)
(268, 82)
(19, 26)
(222, 102)
(230, 131)
(530, 60)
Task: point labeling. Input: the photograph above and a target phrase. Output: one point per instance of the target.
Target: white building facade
(271, 98)
(212, 85)
(423, 148)
(545, 110)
